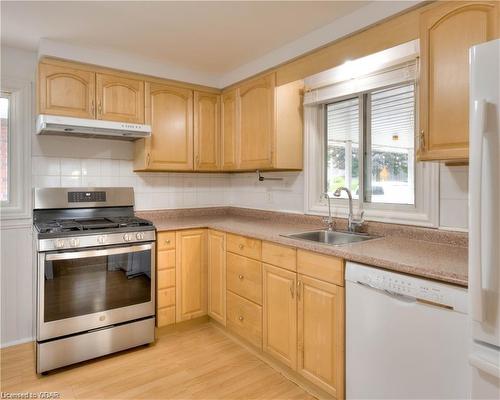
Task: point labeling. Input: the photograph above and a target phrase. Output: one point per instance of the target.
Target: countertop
(437, 261)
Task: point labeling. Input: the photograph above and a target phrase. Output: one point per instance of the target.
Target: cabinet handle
(167, 241)
(148, 159)
(241, 318)
(99, 108)
(299, 288)
(197, 160)
(241, 246)
(92, 107)
(240, 276)
(292, 289)
(422, 139)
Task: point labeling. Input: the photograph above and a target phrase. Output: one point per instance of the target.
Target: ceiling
(209, 37)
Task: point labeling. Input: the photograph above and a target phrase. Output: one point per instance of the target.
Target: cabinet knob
(241, 318)
(240, 276)
(241, 246)
(167, 241)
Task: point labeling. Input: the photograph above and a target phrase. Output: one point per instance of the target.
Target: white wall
(453, 197)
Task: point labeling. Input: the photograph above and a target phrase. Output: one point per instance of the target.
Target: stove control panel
(92, 197)
(74, 242)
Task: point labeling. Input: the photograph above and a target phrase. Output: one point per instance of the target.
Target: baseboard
(287, 372)
(16, 342)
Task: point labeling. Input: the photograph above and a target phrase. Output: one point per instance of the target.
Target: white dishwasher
(406, 338)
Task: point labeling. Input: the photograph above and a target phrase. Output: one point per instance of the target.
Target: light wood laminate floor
(199, 362)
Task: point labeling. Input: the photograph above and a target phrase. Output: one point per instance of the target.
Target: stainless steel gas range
(95, 274)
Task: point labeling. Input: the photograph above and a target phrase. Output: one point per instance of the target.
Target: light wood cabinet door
(206, 131)
(229, 128)
(66, 91)
(120, 99)
(191, 274)
(256, 123)
(217, 276)
(446, 34)
(170, 114)
(321, 334)
(280, 314)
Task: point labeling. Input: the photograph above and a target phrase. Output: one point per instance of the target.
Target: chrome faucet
(329, 221)
(352, 223)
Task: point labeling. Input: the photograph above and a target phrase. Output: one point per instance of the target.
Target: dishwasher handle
(398, 296)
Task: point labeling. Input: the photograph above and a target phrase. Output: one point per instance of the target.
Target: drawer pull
(241, 246)
(241, 318)
(240, 276)
(167, 241)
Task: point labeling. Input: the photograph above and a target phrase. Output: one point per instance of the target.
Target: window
(384, 122)
(4, 146)
(360, 120)
(15, 150)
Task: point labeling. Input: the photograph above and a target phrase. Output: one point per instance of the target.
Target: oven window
(81, 286)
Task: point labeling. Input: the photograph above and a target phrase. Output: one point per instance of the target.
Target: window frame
(425, 211)
(19, 151)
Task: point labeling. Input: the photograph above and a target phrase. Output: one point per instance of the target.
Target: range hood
(68, 126)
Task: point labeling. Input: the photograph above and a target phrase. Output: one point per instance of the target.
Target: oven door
(88, 289)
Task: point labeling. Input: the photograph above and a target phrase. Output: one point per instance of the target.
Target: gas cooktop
(72, 225)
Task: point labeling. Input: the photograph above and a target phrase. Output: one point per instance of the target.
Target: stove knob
(74, 242)
(101, 239)
(127, 237)
(59, 243)
(139, 235)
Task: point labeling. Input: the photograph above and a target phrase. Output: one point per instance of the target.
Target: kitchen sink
(335, 238)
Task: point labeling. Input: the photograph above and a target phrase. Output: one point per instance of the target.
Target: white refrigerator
(484, 220)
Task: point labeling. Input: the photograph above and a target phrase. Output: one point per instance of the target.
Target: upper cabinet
(170, 114)
(66, 91)
(119, 99)
(256, 123)
(447, 31)
(229, 121)
(263, 125)
(206, 131)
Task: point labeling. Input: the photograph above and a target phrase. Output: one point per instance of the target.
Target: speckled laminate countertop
(438, 261)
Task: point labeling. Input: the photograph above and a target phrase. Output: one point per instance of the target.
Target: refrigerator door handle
(484, 365)
(477, 215)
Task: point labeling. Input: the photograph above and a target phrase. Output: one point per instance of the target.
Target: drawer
(165, 240)
(244, 246)
(165, 259)
(244, 277)
(320, 266)
(166, 278)
(244, 318)
(166, 297)
(281, 256)
(165, 316)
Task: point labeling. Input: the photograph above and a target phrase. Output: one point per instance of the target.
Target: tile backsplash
(152, 190)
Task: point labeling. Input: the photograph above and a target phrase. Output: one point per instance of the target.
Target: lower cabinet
(165, 279)
(191, 274)
(280, 314)
(321, 334)
(244, 318)
(217, 276)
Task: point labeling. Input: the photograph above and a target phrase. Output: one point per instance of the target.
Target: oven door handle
(98, 253)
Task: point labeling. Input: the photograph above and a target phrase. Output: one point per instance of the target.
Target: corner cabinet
(169, 111)
(191, 274)
(447, 31)
(66, 91)
(206, 131)
(217, 276)
(229, 125)
(269, 125)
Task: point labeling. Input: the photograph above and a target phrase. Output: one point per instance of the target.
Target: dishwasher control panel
(408, 287)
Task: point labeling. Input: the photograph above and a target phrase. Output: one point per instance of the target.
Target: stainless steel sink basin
(335, 238)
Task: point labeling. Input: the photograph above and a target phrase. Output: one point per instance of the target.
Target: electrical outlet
(269, 196)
